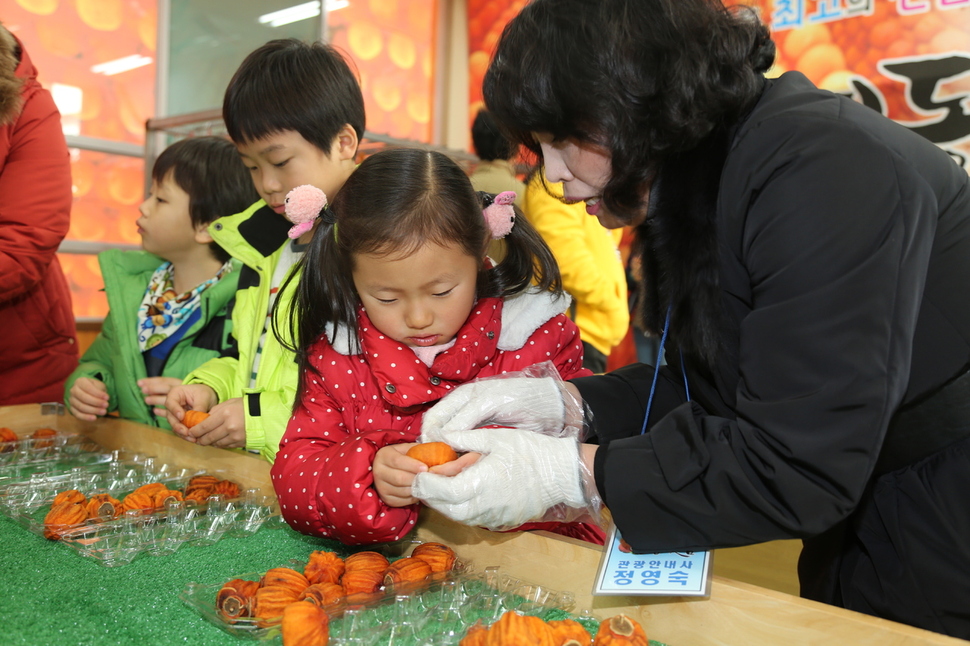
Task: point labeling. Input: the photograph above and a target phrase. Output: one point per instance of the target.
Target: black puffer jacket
(840, 253)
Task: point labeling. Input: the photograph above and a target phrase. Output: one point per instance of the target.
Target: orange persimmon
(304, 624)
(432, 453)
(193, 417)
(620, 630)
(43, 437)
(7, 435)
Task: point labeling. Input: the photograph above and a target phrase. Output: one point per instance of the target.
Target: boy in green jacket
(167, 304)
(296, 114)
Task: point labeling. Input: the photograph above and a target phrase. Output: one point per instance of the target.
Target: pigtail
(528, 260)
(322, 297)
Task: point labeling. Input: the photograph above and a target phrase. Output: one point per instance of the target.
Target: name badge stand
(673, 574)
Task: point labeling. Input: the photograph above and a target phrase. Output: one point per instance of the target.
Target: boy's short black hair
(291, 85)
(216, 180)
(489, 141)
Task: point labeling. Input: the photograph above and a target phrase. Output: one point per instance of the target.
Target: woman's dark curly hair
(643, 78)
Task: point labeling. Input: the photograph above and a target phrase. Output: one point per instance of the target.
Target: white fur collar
(525, 313)
(522, 315)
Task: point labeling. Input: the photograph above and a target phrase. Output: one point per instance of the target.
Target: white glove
(528, 403)
(519, 477)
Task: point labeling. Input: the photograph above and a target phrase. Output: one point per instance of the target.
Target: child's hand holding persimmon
(187, 397)
(224, 427)
(441, 458)
(396, 465)
(394, 472)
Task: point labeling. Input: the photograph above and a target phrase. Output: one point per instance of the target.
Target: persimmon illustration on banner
(392, 45)
(905, 58)
(486, 20)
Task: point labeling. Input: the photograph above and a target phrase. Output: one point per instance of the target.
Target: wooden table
(736, 613)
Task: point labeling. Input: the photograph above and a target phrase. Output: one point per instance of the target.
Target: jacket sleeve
(35, 196)
(98, 363)
(836, 274)
(324, 480)
(568, 354)
(269, 411)
(561, 226)
(218, 374)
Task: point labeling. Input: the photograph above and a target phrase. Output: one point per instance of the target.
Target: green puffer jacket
(115, 359)
(256, 237)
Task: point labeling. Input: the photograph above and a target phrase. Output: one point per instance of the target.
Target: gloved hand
(520, 476)
(529, 403)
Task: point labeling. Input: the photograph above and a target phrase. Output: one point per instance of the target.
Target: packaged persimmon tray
(44, 445)
(373, 598)
(28, 487)
(114, 513)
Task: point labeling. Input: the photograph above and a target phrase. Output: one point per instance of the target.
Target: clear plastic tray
(118, 542)
(443, 614)
(16, 473)
(439, 608)
(116, 472)
(60, 445)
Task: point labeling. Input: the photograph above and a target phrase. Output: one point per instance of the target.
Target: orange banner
(486, 20)
(908, 59)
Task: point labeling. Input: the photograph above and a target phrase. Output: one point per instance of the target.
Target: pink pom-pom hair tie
(499, 213)
(303, 205)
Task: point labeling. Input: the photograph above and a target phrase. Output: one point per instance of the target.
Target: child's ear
(202, 234)
(346, 142)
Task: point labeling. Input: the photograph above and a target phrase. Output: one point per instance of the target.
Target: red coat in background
(38, 348)
(363, 402)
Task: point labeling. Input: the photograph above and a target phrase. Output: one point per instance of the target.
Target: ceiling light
(120, 65)
(299, 12)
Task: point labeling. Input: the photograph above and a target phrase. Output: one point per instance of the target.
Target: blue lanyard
(656, 371)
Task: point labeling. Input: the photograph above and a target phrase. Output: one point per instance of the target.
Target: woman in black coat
(806, 260)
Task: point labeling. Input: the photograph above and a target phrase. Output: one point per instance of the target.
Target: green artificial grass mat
(52, 596)
(56, 597)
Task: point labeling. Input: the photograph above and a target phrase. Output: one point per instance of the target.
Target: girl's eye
(445, 293)
(386, 301)
(281, 164)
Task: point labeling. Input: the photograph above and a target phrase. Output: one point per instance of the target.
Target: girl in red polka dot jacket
(397, 305)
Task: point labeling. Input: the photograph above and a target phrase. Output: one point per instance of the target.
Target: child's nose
(271, 185)
(418, 317)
